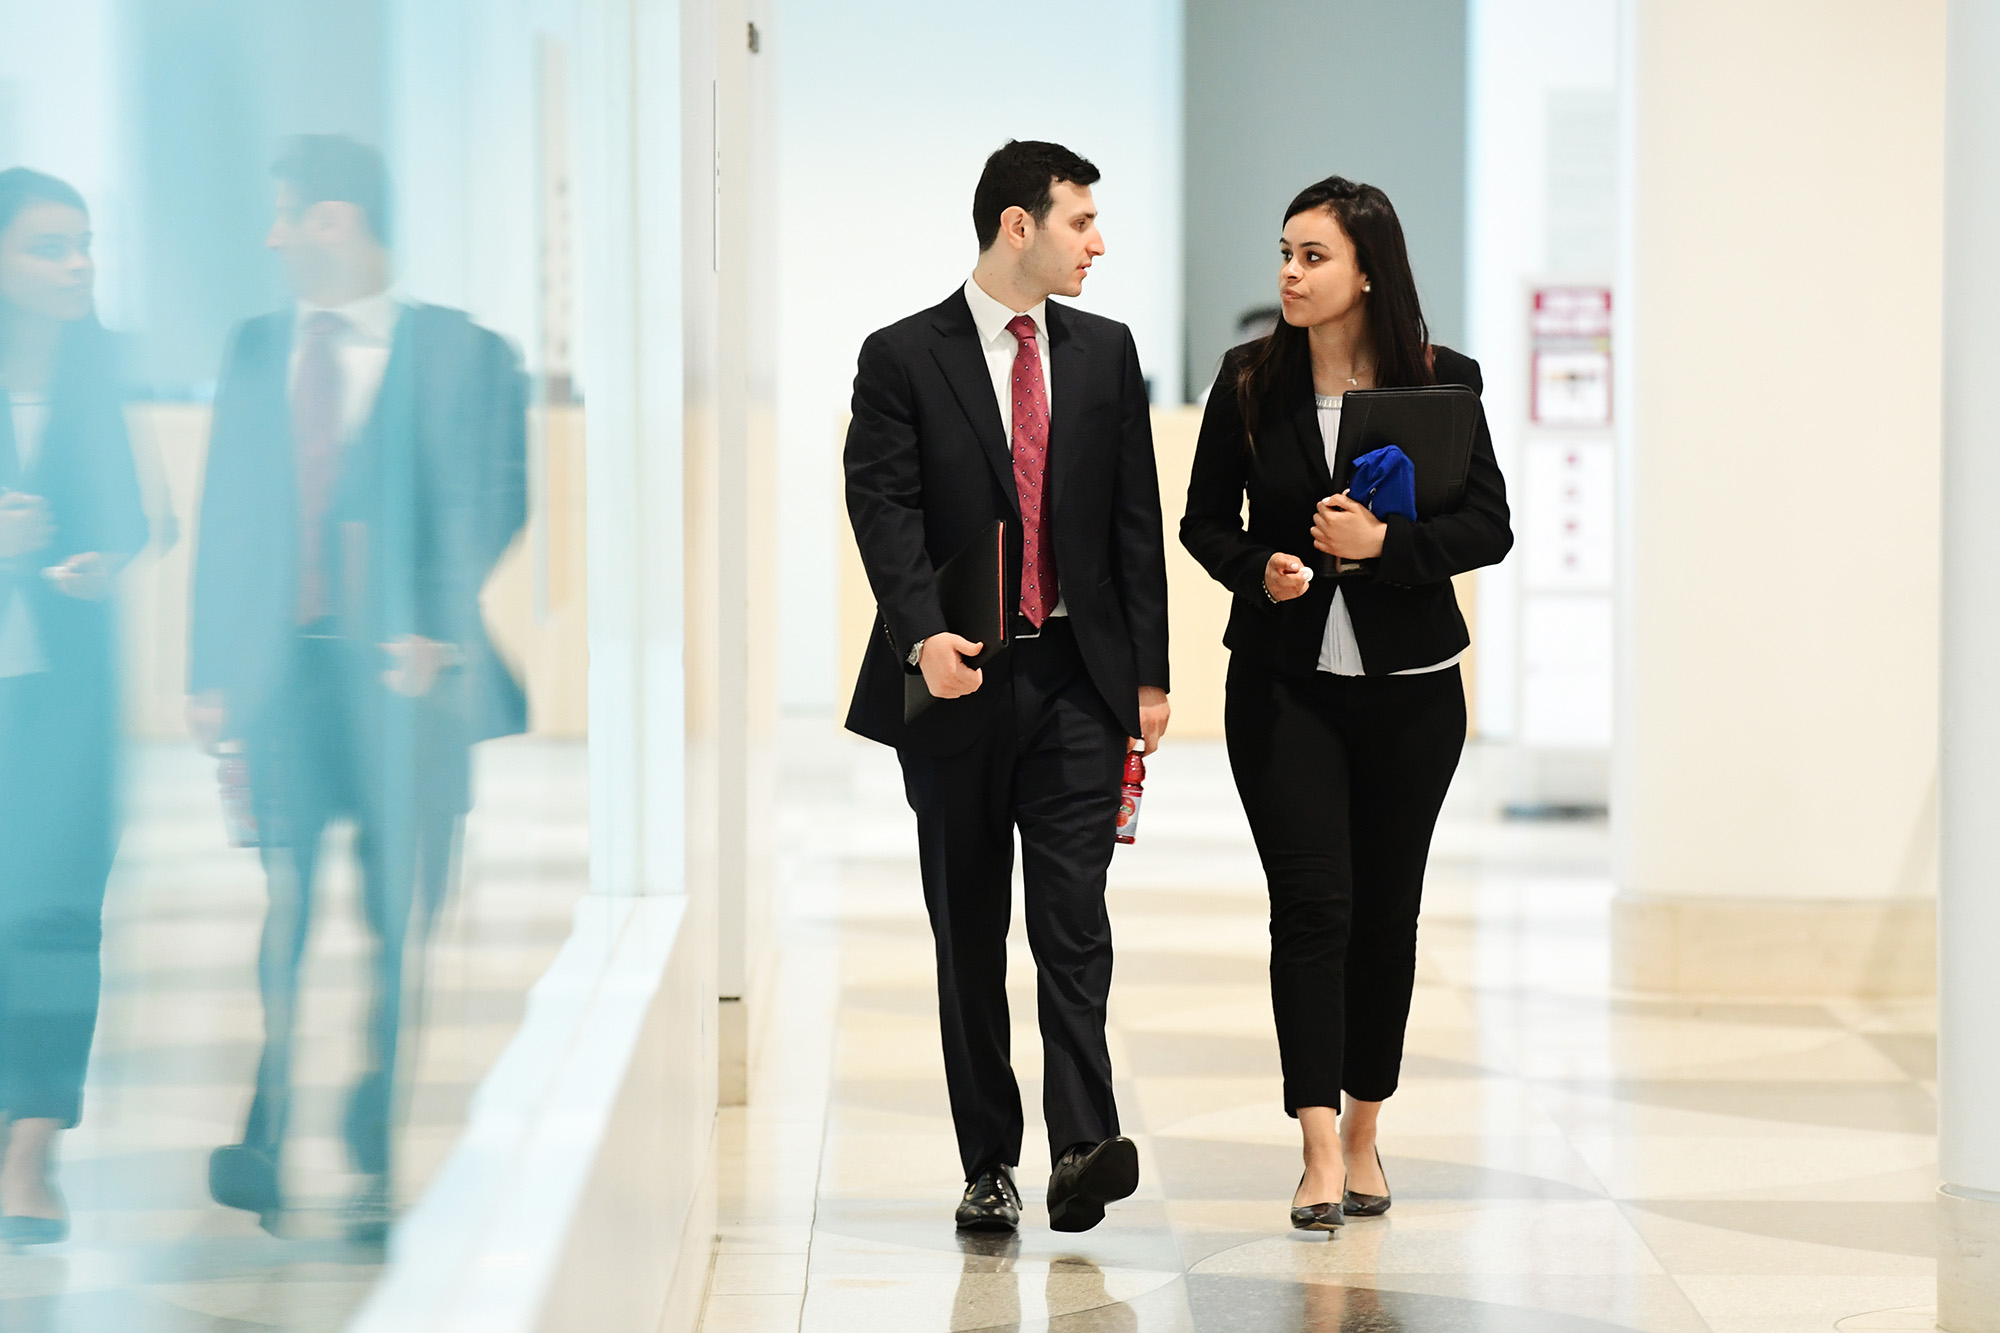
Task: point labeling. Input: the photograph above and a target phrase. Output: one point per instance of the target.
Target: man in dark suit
(366, 468)
(1000, 404)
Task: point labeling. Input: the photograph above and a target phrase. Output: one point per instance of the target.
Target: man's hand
(946, 675)
(86, 577)
(1286, 577)
(1344, 527)
(418, 662)
(208, 719)
(26, 525)
(1153, 712)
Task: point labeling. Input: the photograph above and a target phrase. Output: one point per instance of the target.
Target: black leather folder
(972, 588)
(1435, 425)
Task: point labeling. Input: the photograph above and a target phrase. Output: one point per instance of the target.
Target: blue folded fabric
(1386, 481)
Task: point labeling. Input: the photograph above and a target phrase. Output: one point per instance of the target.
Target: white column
(1775, 782)
(1541, 211)
(1969, 882)
(747, 570)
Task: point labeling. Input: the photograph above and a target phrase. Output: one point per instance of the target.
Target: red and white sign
(1571, 366)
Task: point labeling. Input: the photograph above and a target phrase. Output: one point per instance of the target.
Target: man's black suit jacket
(436, 482)
(929, 467)
(1404, 612)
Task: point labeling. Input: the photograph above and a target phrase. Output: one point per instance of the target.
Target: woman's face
(45, 263)
(1320, 282)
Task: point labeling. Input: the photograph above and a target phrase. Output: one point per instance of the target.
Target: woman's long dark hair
(1395, 316)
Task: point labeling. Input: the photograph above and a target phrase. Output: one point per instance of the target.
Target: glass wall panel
(293, 770)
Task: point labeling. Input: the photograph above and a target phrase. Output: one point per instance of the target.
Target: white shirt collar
(372, 318)
(990, 317)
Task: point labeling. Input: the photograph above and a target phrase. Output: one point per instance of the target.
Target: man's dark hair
(321, 167)
(1021, 174)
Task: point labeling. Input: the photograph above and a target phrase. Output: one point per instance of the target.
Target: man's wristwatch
(916, 652)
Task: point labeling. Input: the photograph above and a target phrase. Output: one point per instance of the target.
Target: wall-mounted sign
(1571, 362)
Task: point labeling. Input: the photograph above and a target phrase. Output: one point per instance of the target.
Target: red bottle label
(1130, 795)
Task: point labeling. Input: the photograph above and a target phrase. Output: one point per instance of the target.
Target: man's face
(314, 242)
(1060, 251)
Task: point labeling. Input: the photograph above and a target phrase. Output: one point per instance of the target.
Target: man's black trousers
(1050, 766)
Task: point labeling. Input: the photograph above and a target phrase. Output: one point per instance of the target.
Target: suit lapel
(1066, 375)
(1303, 413)
(963, 362)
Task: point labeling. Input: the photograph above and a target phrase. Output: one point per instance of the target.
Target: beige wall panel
(1778, 654)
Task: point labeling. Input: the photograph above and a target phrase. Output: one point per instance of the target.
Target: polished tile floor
(180, 1032)
(1564, 1157)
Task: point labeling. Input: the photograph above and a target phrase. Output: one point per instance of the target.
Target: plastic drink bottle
(1129, 797)
(239, 819)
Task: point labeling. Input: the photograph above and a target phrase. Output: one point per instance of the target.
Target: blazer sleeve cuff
(1251, 580)
(1397, 563)
(913, 630)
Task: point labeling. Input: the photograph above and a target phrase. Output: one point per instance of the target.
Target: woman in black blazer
(1345, 714)
(70, 517)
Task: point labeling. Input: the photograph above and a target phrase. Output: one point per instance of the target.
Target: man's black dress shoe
(992, 1201)
(1316, 1216)
(1368, 1205)
(240, 1176)
(1087, 1177)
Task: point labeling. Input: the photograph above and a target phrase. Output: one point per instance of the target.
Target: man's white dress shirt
(361, 348)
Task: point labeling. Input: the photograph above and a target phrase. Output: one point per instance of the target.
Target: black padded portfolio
(1435, 425)
(972, 588)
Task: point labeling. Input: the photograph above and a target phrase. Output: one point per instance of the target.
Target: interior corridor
(1563, 1157)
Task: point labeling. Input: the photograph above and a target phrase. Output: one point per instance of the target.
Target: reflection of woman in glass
(70, 515)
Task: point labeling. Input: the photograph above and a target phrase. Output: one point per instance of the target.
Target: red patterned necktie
(317, 436)
(1031, 468)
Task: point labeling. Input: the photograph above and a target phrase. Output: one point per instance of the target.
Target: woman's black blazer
(1401, 603)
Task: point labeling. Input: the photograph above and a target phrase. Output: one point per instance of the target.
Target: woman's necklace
(1353, 381)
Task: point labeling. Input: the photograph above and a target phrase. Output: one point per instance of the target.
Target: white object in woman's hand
(86, 577)
(1285, 577)
(26, 525)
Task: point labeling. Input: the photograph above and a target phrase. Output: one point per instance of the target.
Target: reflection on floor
(181, 1028)
(1564, 1158)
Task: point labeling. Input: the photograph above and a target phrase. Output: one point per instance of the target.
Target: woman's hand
(1286, 577)
(26, 525)
(1344, 527)
(86, 577)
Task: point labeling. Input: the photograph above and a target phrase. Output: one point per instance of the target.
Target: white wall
(60, 99)
(464, 153)
(887, 110)
(1525, 59)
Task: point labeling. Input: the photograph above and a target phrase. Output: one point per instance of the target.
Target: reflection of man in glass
(366, 468)
(69, 517)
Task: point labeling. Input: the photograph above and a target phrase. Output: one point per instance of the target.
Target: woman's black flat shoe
(34, 1230)
(1316, 1216)
(1366, 1205)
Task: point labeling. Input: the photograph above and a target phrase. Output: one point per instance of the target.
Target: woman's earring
(1367, 286)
